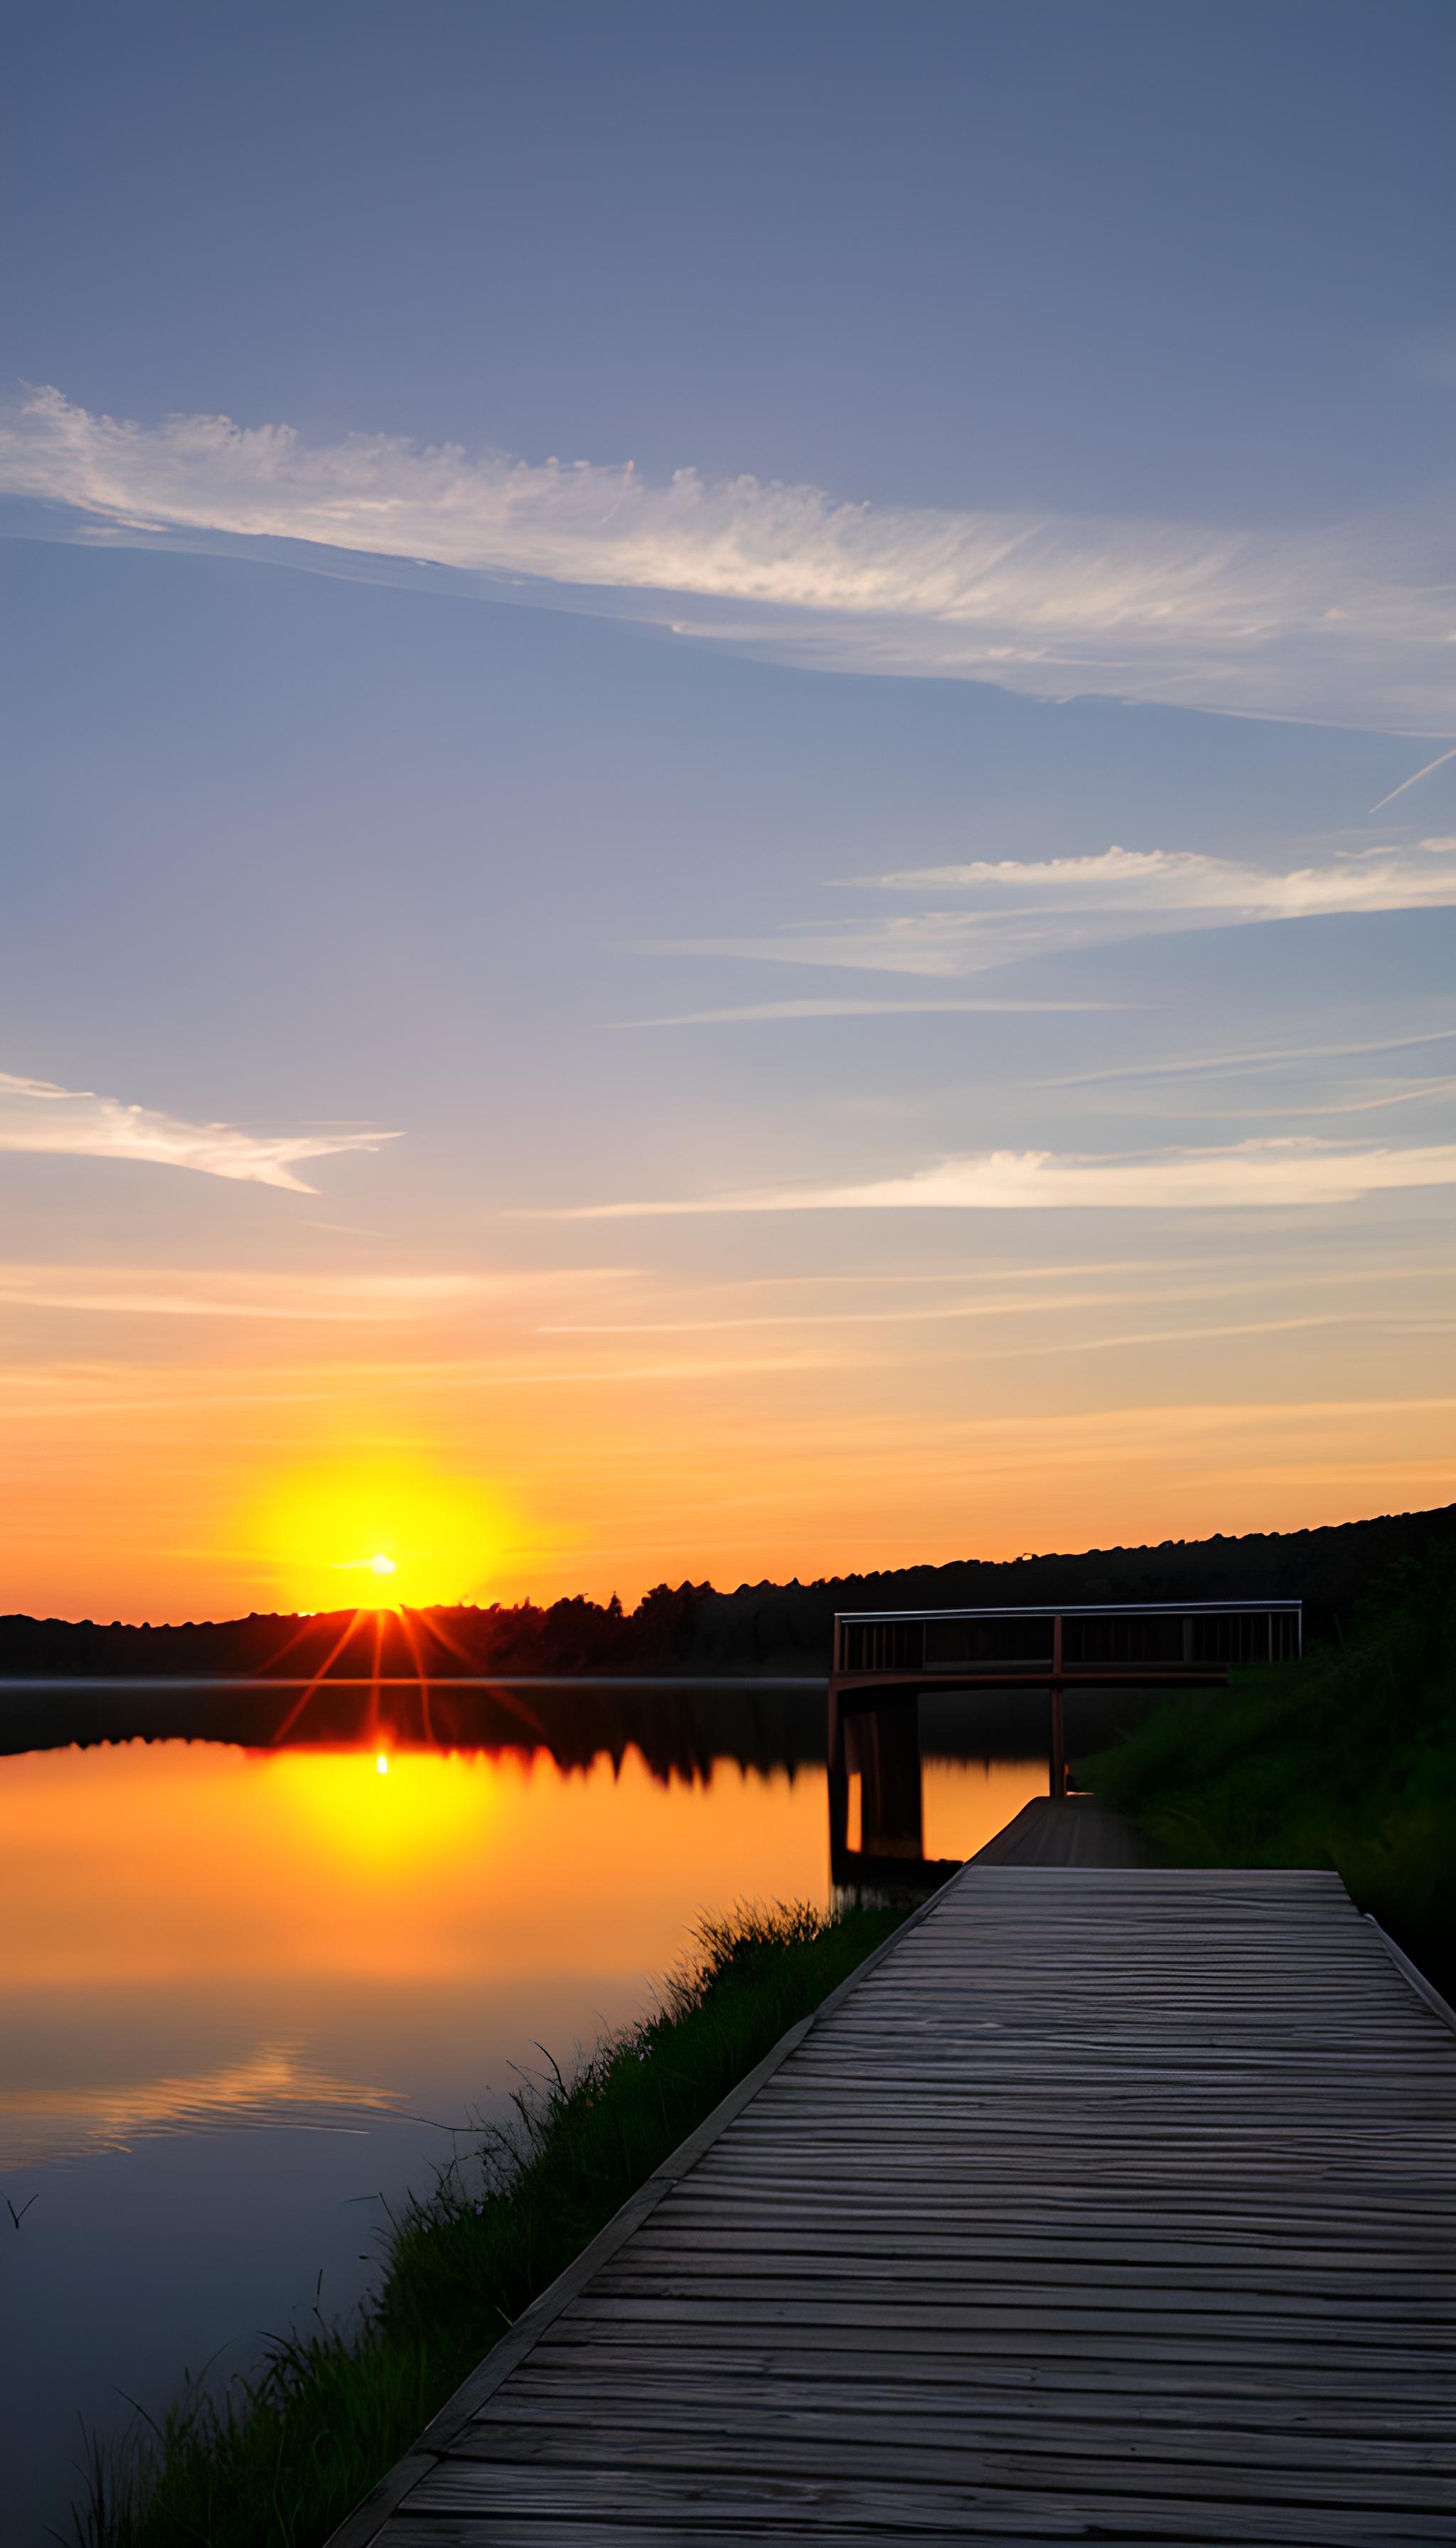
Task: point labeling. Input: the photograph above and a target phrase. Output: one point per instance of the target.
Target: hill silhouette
(761, 1628)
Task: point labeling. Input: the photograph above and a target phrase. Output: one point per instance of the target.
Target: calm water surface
(248, 1996)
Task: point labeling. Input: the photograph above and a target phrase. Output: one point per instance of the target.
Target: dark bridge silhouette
(885, 1660)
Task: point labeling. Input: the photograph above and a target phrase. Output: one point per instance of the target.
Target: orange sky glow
(191, 1488)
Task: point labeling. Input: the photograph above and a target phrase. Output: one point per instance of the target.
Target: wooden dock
(1063, 1831)
(1106, 2203)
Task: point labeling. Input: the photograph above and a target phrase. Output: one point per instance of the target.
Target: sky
(730, 803)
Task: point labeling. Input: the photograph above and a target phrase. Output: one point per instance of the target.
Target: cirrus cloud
(1011, 910)
(38, 1117)
(1352, 624)
(1188, 882)
(1261, 1175)
(288, 1296)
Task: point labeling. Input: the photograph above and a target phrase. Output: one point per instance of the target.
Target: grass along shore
(276, 2461)
(1347, 1759)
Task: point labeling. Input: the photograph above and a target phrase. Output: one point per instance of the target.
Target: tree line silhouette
(761, 1628)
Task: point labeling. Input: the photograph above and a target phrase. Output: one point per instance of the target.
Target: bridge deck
(1110, 2203)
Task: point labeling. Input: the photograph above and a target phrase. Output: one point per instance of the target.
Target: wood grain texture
(1112, 2203)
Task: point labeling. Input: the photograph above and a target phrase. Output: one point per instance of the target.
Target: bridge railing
(1076, 1641)
(882, 1658)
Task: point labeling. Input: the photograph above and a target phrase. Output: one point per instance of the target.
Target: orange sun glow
(415, 1537)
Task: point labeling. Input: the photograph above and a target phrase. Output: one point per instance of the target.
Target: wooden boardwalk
(1062, 1831)
(1110, 2202)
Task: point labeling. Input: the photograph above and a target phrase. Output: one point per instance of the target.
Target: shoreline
(280, 2458)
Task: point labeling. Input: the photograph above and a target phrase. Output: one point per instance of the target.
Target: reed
(276, 2460)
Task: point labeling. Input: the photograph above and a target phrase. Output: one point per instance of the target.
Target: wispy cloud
(937, 1313)
(1259, 1175)
(116, 1391)
(1297, 1110)
(1186, 881)
(759, 1011)
(37, 1116)
(1010, 910)
(333, 1299)
(1039, 1294)
(1143, 1339)
(1218, 1066)
(1349, 624)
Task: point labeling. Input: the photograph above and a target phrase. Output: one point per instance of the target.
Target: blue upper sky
(1108, 258)
(913, 543)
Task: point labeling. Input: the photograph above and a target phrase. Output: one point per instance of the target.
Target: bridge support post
(1057, 1764)
(839, 1787)
(887, 1743)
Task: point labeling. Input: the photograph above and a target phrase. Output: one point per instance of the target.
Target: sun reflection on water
(199, 1932)
(387, 1809)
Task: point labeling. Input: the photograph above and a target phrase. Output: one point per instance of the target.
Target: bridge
(883, 1659)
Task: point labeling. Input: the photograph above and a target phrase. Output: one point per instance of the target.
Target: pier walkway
(1062, 1831)
(1106, 2203)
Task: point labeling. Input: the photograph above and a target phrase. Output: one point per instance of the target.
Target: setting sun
(379, 1533)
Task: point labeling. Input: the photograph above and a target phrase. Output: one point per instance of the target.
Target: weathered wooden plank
(896, 2317)
(1288, 2428)
(707, 2460)
(906, 2253)
(1320, 2394)
(904, 2509)
(1229, 2343)
(781, 2432)
(897, 2286)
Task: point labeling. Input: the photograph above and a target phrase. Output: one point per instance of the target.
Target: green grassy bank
(1347, 1759)
(278, 2461)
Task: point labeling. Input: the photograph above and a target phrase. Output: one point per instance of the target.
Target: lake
(252, 1992)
